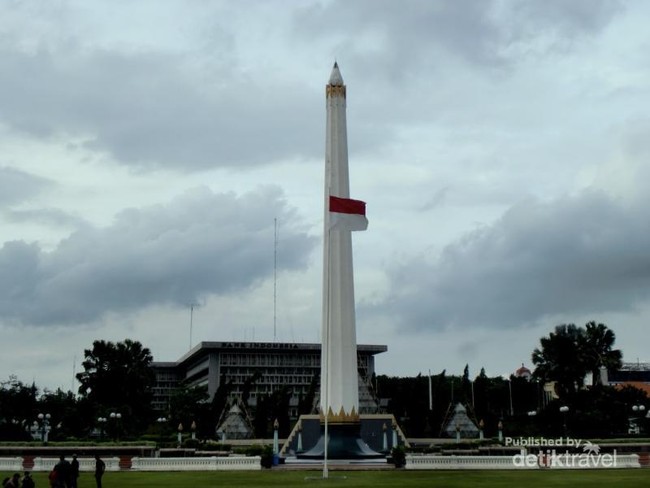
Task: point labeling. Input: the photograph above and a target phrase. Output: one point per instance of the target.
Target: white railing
(234, 463)
(579, 461)
(460, 462)
(11, 464)
(85, 464)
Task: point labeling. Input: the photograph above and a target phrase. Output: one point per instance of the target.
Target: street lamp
(115, 418)
(638, 409)
(102, 423)
(276, 446)
(44, 424)
(161, 422)
(564, 410)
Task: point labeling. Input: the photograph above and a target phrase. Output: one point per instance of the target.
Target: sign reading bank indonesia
(590, 457)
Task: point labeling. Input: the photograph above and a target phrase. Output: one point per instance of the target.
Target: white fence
(460, 462)
(581, 461)
(85, 464)
(14, 464)
(234, 463)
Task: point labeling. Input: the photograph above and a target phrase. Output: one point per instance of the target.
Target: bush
(191, 443)
(267, 457)
(216, 446)
(398, 455)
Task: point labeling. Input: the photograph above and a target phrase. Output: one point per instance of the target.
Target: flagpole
(327, 355)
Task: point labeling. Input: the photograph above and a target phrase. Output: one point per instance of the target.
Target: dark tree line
(117, 377)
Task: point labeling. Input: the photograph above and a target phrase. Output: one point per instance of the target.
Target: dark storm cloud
(585, 254)
(566, 19)
(200, 244)
(146, 109)
(407, 37)
(17, 186)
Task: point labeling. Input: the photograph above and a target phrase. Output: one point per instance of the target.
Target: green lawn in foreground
(371, 479)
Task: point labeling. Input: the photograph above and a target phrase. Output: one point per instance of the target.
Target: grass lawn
(371, 479)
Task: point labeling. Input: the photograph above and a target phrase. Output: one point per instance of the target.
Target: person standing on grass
(62, 469)
(74, 471)
(100, 467)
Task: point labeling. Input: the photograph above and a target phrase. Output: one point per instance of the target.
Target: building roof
(461, 422)
(523, 371)
(202, 348)
(640, 385)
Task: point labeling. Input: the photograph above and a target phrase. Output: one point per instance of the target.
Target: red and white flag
(347, 214)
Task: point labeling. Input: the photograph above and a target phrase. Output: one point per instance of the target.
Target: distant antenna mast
(275, 277)
(192, 305)
(74, 370)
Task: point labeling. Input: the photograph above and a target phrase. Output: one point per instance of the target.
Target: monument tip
(335, 77)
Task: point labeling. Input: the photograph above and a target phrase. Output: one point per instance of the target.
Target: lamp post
(44, 425)
(532, 414)
(161, 422)
(639, 410)
(115, 419)
(101, 421)
(276, 446)
(564, 410)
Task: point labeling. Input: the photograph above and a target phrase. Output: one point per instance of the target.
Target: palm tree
(596, 345)
(560, 359)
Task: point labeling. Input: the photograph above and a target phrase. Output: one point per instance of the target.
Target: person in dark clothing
(100, 467)
(28, 481)
(62, 470)
(13, 482)
(74, 471)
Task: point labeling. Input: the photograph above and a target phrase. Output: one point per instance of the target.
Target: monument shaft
(339, 383)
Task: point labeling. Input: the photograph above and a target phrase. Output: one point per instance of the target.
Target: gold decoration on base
(340, 418)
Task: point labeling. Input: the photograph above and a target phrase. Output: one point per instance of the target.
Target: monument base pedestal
(345, 442)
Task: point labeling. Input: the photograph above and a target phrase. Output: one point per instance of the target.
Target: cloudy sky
(148, 148)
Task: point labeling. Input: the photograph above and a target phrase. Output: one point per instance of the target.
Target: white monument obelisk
(339, 396)
(339, 382)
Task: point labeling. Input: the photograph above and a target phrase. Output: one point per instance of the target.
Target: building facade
(276, 364)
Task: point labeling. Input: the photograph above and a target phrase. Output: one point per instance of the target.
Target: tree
(118, 377)
(466, 387)
(66, 414)
(597, 344)
(18, 408)
(561, 359)
(306, 404)
(569, 353)
(190, 404)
